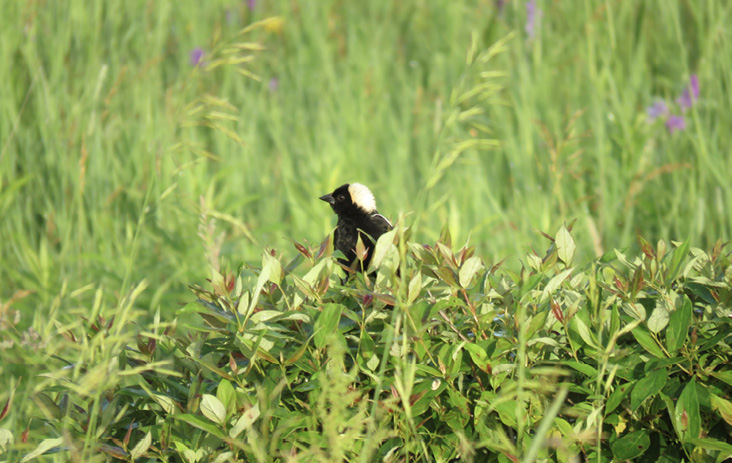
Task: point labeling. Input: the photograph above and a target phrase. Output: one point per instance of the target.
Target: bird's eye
(341, 198)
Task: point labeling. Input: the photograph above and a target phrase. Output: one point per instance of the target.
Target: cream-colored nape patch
(362, 197)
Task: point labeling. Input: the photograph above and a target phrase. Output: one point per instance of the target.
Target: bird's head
(352, 198)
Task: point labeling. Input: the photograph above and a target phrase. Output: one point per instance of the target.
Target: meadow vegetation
(530, 152)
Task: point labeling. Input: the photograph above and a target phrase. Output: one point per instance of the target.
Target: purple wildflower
(252, 4)
(532, 16)
(274, 83)
(674, 123)
(659, 109)
(197, 56)
(690, 95)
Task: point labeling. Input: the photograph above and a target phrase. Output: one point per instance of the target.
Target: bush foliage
(437, 356)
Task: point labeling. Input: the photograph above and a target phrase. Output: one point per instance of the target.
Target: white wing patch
(362, 197)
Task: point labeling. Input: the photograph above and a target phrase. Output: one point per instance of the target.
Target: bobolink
(356, 209)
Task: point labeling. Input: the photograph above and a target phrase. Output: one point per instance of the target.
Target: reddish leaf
(6, 408)
(717, 249)
(69, 336)
(557, 311)
(619, 284)
(302, 249)
(114, 452)
(323, 247)
(170, 330)
(232, 364)
(385, 407)
(385, 298)
(549, 237)
(646, 247)
(415, 397)
(142, 345)
(637, 280)
(164, 437)
(129, 433)
(684, 420)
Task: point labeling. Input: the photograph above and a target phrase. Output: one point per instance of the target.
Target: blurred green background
(121, 160)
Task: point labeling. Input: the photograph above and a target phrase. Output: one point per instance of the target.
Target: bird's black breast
(345, 238)
(369, 226)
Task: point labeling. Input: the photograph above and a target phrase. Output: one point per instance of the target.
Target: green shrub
(439, 357)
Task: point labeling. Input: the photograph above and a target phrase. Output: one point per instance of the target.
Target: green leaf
(326, 324)
(262, 279)
(245, 421)
(679, 254)
(529, 284)
(383, 244)
(213, 409)
(189, 455)
(678, 326)
(415, 287)
(659, 318)
(687, 412)
(507, 412)
(225, 393)
(264, 316)
(141, 447)
(631, 445)
(43, 447)
(275, 273)
(714, 445)
(635, 310)
(724, 407)
(468, 270)
(583, 368)
(6, 437)
(578, 324)
(167, 403)
(554, 283)
(644, 338)
(47, 406)
(297, 354)
(725, 376)
(648, 386)
(479, 355)
(617, 396)
(565, 246)
(200, 423)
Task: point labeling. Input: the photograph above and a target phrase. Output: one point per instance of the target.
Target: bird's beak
(328, 199)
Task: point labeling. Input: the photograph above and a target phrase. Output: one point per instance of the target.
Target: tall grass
(103, 176)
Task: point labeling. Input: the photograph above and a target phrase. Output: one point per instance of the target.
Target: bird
(355, 206)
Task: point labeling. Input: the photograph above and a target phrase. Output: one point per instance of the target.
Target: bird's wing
(381, 222)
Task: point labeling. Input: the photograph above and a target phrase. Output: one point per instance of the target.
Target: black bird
(356, 209)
